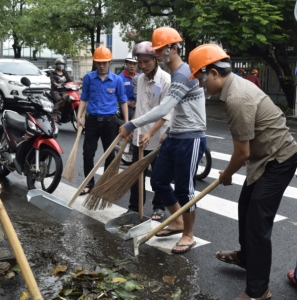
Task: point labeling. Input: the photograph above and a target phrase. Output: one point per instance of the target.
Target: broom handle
(140, 183)
(179, 212)
(19, 254)
(93, 171)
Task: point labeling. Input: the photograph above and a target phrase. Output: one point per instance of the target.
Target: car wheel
(2, 102)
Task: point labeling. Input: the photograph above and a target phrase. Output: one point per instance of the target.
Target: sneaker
(244, 296)
(230, 257)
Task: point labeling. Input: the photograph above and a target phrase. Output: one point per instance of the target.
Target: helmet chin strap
(205, 76)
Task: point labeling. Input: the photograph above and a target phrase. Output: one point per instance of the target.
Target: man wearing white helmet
(152, 85)
(127, 76)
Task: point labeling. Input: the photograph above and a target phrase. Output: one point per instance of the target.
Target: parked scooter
(28, 145)
(67, 110)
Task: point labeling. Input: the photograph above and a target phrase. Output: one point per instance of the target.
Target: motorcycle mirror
(25, 81)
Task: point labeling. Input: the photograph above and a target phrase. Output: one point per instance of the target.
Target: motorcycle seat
(15, 121)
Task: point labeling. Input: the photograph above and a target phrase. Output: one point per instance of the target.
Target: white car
(11, 72)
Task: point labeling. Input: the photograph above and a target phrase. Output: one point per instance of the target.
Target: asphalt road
(215, 225)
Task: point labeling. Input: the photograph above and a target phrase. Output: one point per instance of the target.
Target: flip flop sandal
(83, 192)
(189, 247)
(169, 232)
(158, 213)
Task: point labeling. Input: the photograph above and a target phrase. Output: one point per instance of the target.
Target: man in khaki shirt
(263, 143)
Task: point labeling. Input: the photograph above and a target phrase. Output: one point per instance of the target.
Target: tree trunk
(277, 58)
(189, 46)
(35, 51)
(17, 50)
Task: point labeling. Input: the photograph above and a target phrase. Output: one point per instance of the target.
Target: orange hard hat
(102, 53)
(255, 71)
(203, 56)
(165, 36)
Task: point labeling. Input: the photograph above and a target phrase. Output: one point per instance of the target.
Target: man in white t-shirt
(151, 87)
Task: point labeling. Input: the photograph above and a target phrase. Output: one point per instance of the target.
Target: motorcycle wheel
(204, 166)
(73, 119)
(51, 167)
(3, 171)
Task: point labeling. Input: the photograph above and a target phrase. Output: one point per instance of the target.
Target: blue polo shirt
(103, 95)
(128, 85)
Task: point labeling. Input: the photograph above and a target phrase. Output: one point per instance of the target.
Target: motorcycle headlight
(47, 105)
(32, 126)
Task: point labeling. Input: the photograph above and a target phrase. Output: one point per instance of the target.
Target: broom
(68, 172)
(117, 186)
(91, 201)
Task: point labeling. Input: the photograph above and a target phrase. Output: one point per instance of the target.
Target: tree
(138, 18)
(263, 28)
(11, 13)
(68, 26)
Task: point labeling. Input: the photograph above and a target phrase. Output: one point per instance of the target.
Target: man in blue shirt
(127, 76)
(101, 91)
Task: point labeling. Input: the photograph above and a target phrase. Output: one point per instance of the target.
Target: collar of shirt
(224, 92)
(110, 75)
(126, 74)
(157, 76)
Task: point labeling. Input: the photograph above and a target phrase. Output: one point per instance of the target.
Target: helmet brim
(192, 77)
(101, 60)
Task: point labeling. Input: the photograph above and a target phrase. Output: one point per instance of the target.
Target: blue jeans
(177, 161)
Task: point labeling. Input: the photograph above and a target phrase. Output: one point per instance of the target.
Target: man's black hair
(222, 71)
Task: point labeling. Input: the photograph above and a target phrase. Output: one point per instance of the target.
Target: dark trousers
(94, 129)
(177, 161)
(257, 207)
(157, 203)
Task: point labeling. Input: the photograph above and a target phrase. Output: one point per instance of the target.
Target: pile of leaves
(113, 282)
(102, 283)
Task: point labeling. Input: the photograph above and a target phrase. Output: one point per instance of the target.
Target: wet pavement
(83, 241)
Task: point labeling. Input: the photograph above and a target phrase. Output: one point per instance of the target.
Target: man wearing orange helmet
(253, 77)
(185, 140)
(102, 90)
(264, 144)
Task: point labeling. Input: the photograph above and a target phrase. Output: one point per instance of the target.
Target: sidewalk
(216, 110)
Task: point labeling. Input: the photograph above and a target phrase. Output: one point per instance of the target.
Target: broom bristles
(68, 172)
(116, 187)
(91, 202)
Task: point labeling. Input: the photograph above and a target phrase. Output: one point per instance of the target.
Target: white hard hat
(130, 58)
(69, 69)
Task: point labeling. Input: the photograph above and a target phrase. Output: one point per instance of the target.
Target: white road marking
(210, 203)
(215, 137)
(225, 157)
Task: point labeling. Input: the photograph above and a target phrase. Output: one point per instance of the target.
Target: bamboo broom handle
(93, 171)
(140, 183)
(179, 212)
(80, 128)
(72, 155)
(19, 254)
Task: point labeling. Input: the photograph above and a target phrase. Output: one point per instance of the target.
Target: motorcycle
(28, 145)
(67, 110)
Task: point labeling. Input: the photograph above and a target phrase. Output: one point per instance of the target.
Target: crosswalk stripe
(225, 157)
(290, 191)
(214, 204)
(103, 216)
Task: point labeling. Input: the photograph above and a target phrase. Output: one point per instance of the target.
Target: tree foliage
(263, 28)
